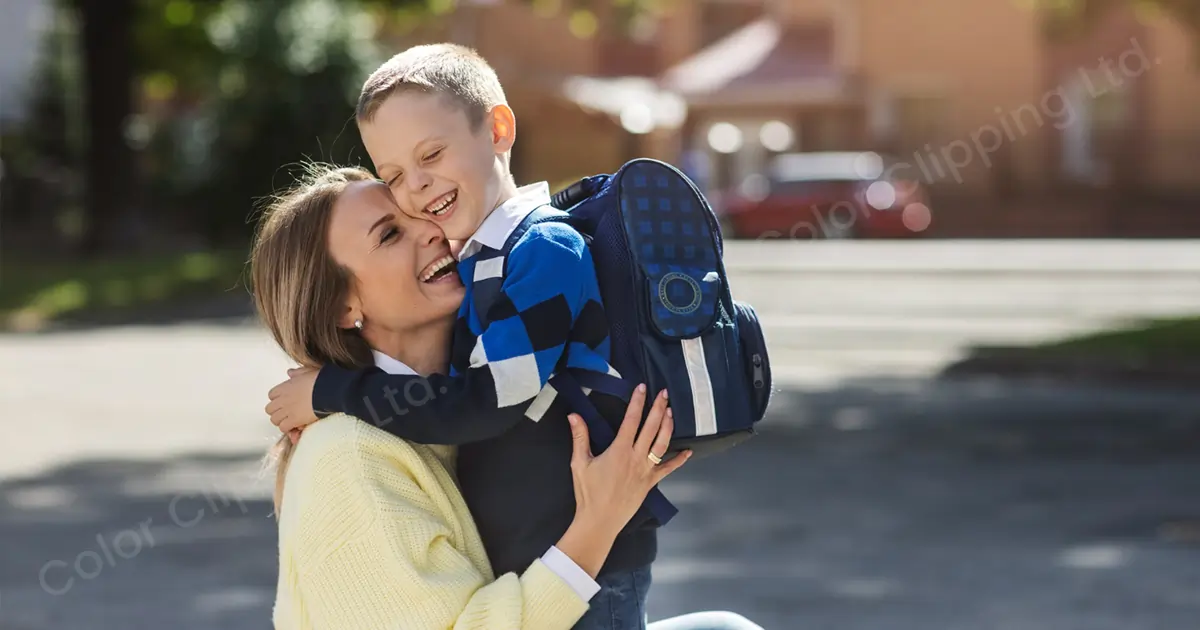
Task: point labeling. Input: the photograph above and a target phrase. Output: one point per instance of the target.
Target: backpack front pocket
(682, 300)
(758, 363)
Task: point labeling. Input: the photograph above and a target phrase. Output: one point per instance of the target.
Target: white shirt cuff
(564, 567)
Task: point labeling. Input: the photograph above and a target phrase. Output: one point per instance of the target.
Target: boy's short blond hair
(455, 72)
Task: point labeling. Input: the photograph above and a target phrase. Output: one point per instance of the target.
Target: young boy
(436, 125)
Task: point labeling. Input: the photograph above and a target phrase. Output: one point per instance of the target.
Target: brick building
(1017, 133)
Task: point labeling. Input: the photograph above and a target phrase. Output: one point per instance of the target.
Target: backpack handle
(577, 192)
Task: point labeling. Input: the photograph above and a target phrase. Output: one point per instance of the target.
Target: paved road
(838, 309)
(130, 457)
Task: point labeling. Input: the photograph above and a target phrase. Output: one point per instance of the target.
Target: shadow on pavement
(175, 543)
(892, 504)
(909, 504)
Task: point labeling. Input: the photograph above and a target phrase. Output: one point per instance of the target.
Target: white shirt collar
(390, 365)
(496, 228)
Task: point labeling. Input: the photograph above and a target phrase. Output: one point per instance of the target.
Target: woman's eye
(433, 156)
(388, 234)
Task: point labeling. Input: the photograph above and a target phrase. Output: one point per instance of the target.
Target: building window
(1093, 139)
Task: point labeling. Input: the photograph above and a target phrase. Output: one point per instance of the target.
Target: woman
(373, 531)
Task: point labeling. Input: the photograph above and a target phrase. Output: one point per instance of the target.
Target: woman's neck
(426, 349)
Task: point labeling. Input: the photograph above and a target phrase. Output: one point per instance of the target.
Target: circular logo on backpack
(666, 299)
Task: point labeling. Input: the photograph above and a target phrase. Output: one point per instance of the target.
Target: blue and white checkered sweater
(514, 460)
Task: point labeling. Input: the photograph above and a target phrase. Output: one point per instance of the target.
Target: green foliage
(34, 293)
(266, 83)
(1067, 18)
(1173, 337)
(256, 86)
(42, 156)
(228, 94)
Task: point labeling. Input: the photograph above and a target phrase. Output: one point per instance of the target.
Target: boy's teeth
(443, 206)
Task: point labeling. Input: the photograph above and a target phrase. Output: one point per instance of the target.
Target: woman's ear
(352, 314)
(504, 128)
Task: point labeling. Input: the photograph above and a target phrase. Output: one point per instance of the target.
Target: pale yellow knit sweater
(373, 533)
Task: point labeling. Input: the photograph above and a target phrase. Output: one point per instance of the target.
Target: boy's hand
(291, 401)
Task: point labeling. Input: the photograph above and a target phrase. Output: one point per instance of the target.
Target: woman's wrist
(587, 543)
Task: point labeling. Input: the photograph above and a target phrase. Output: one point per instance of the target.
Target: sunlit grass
(32, 294)
(1177, 337)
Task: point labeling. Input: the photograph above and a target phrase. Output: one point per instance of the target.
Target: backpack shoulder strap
(539, 215)
(485, 293)
(543, 214)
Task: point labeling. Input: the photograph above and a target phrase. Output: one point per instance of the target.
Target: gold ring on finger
(654, 458)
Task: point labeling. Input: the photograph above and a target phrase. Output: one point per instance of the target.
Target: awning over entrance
(638, 102)
(764, 62)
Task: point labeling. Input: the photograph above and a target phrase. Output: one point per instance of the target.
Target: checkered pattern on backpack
(661, 219)
(529, 316)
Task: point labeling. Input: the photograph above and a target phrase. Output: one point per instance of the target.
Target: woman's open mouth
(441, 208)
(440, 270)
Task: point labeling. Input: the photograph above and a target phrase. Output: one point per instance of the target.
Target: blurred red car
(827, 195)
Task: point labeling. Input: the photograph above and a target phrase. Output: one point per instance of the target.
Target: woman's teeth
(438, 269)
(442, 206)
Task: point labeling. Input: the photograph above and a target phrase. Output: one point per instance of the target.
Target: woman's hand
(610, 488)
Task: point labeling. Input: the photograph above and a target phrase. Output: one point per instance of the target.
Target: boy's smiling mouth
(441, 207)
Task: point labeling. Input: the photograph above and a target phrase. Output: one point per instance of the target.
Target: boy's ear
(504, 128)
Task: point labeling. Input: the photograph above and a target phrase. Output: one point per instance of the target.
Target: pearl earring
(358, 324)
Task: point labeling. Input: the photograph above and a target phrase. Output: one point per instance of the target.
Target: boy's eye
(433, 156)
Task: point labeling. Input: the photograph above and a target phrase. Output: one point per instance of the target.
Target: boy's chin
(459, 228)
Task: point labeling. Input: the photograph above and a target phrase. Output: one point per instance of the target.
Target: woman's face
(404, 272)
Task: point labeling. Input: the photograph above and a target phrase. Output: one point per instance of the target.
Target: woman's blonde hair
(299, 290)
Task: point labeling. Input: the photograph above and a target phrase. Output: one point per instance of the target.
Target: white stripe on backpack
(702, 394)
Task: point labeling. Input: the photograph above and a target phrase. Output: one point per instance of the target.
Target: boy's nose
(418, 181)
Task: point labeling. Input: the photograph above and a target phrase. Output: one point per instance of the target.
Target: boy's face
(435, 165)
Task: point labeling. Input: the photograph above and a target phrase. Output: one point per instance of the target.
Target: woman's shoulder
(347, 476)
(340, 444)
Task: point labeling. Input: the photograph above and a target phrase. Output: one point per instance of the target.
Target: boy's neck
(508, 190)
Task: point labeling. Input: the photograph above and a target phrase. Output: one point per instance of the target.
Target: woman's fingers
(669, 466)
(581, 447)
(633, 416)
(653, 422)
(663, 440)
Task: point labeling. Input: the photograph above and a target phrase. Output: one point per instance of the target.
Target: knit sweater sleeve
(382, 555)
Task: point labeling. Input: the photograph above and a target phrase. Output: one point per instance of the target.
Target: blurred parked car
(827, 195)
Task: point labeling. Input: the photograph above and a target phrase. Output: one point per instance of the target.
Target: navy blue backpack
(674, 324)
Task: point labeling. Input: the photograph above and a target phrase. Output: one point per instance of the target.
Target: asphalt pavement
(131, 496)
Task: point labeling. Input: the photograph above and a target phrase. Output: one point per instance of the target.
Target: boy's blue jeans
(621, 602)
(621, 605)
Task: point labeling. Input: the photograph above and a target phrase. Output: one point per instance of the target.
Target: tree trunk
(108, 95)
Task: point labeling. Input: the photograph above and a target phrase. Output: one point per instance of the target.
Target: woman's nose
(433, 234)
